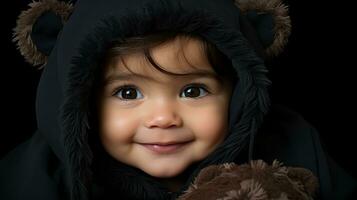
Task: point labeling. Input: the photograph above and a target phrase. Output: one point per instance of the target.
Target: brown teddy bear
(254, 181)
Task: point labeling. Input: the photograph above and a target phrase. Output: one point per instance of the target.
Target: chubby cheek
(117, 128)
(210, 126)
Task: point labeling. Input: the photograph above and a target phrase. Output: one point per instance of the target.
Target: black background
(313, 76)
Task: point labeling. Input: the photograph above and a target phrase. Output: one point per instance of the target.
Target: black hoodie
(59, 161)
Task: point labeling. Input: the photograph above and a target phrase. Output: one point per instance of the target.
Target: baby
(138, 97)
(162, 119)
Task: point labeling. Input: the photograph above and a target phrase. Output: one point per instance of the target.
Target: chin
(164, 172)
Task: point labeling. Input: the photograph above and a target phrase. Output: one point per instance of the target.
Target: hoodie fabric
(59, 161)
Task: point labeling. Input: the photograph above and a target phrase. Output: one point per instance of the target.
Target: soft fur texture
(25, 22)
(281, 18)
(254, 181)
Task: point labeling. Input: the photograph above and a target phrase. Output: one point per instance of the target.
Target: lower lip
(164, 148)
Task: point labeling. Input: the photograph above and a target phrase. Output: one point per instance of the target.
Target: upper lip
(163, 143)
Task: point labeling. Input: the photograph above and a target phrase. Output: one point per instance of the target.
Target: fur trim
(282, 20)
(25, 22)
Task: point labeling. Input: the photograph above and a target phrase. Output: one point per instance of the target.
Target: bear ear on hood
(37, 29)
(271, 22)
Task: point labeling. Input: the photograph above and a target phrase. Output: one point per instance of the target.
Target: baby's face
(161, 123)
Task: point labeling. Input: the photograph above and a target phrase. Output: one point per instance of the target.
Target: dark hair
(142, 44)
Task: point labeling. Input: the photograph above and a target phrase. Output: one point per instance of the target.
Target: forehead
(181, 56)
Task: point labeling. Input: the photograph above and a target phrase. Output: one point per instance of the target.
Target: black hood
(63, 104)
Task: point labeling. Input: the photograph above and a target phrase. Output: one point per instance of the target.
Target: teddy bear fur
(253, 181)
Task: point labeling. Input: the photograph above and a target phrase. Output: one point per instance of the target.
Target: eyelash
(197, 85)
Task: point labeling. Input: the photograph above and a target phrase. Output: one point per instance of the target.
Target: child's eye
(128, 92)
(194, 91)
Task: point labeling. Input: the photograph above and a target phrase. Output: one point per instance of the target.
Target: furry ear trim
(37, 28)
(281, 22)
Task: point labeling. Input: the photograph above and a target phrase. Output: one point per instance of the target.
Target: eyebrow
(130, 76)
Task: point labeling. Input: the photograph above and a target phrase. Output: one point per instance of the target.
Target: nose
(164, 115)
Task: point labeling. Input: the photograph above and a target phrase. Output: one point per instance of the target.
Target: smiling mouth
(163, 148)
